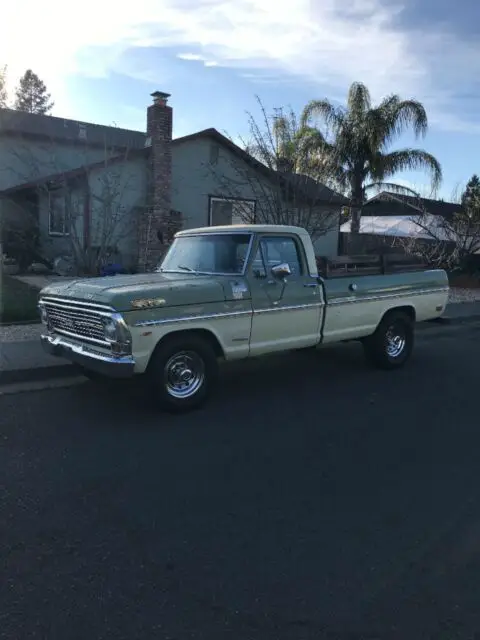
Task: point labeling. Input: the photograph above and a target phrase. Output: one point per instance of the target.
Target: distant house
(84, 184)
(390, 218)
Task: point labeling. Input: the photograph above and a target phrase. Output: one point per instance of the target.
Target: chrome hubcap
(395, 341)
(184, 374)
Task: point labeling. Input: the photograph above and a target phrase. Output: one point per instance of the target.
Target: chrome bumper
(111, 366)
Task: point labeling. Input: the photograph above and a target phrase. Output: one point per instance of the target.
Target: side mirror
(281, 270)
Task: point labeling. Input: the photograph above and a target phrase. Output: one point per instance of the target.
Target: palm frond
(411, 160)
(405, 114)
(358, 100)
(331, 115)
(398, 189)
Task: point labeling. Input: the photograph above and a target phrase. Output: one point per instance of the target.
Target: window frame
(212, 199)
(298, 247)
(246, 263)
(59, 194)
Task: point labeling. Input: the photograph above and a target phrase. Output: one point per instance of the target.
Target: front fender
(230, 327)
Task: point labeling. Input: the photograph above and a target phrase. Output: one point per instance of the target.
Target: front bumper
(108, 365)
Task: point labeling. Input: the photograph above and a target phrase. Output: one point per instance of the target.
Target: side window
(281, 249)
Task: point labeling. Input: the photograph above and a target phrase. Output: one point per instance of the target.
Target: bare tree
(275, 172)
(3, 87)
(445, 241)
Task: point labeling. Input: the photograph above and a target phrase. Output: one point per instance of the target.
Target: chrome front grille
(76, 320)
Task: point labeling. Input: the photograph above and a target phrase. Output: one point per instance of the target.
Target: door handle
(352, 287)
(310, 284)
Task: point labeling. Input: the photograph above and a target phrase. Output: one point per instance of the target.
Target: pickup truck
(233, 292)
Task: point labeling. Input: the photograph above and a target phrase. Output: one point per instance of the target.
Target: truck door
(287, 301)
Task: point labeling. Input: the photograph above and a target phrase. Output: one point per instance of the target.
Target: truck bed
(360, 290)
(381, 264)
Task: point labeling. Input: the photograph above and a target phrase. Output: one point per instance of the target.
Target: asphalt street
(313, 498)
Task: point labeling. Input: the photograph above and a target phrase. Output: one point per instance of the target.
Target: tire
(392, 343)
(189, 357)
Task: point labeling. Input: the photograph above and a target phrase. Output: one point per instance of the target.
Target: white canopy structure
(421, 227)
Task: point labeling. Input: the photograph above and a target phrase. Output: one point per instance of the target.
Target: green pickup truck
(233, 292)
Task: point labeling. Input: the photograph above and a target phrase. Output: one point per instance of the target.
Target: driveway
(314, 498)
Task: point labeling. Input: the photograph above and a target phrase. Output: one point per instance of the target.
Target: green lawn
(18, 301)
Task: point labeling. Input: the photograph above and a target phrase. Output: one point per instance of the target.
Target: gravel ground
(16, 333)
(464, 295)
(19, 332)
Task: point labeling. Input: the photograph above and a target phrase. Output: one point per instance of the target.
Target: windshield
(208, 253)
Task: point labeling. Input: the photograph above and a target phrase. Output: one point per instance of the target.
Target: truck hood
(161, 289)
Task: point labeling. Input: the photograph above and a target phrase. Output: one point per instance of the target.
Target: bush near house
(18, 301)
(22, 244)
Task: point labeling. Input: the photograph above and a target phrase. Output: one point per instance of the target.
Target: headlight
(43, 314)
(110, 329)
(116, 332)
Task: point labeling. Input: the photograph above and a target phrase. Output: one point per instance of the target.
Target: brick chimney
(155, 228)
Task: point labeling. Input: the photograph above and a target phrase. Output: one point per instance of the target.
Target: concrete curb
(70, 370)
(19, 323)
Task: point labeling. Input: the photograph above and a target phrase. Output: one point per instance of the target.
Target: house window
(231, 211)
(57, 214)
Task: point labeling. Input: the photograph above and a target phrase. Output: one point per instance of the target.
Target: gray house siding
(116, 196)
(34, 145)
(23, 160)
(202, 169)
(192, 182)
(327, 244)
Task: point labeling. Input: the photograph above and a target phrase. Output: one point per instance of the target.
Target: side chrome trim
(315, 305)
(386, 296)
(207, 316)
(227, 314)
(294, 307)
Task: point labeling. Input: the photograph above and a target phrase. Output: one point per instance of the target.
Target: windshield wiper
(181, 267)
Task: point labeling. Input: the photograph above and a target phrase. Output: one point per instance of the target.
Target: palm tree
(356, 140)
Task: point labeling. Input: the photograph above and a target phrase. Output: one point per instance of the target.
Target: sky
(101, 61)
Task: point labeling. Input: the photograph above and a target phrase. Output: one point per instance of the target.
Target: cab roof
(243, 228)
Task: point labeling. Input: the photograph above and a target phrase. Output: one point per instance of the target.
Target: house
(89, 188)
(389, 219)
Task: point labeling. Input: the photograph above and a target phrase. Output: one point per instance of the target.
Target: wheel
(392, 343)
(182, 373)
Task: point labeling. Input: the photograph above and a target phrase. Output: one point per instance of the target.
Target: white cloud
(190, 56)
(315, 41)
(196, 57)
